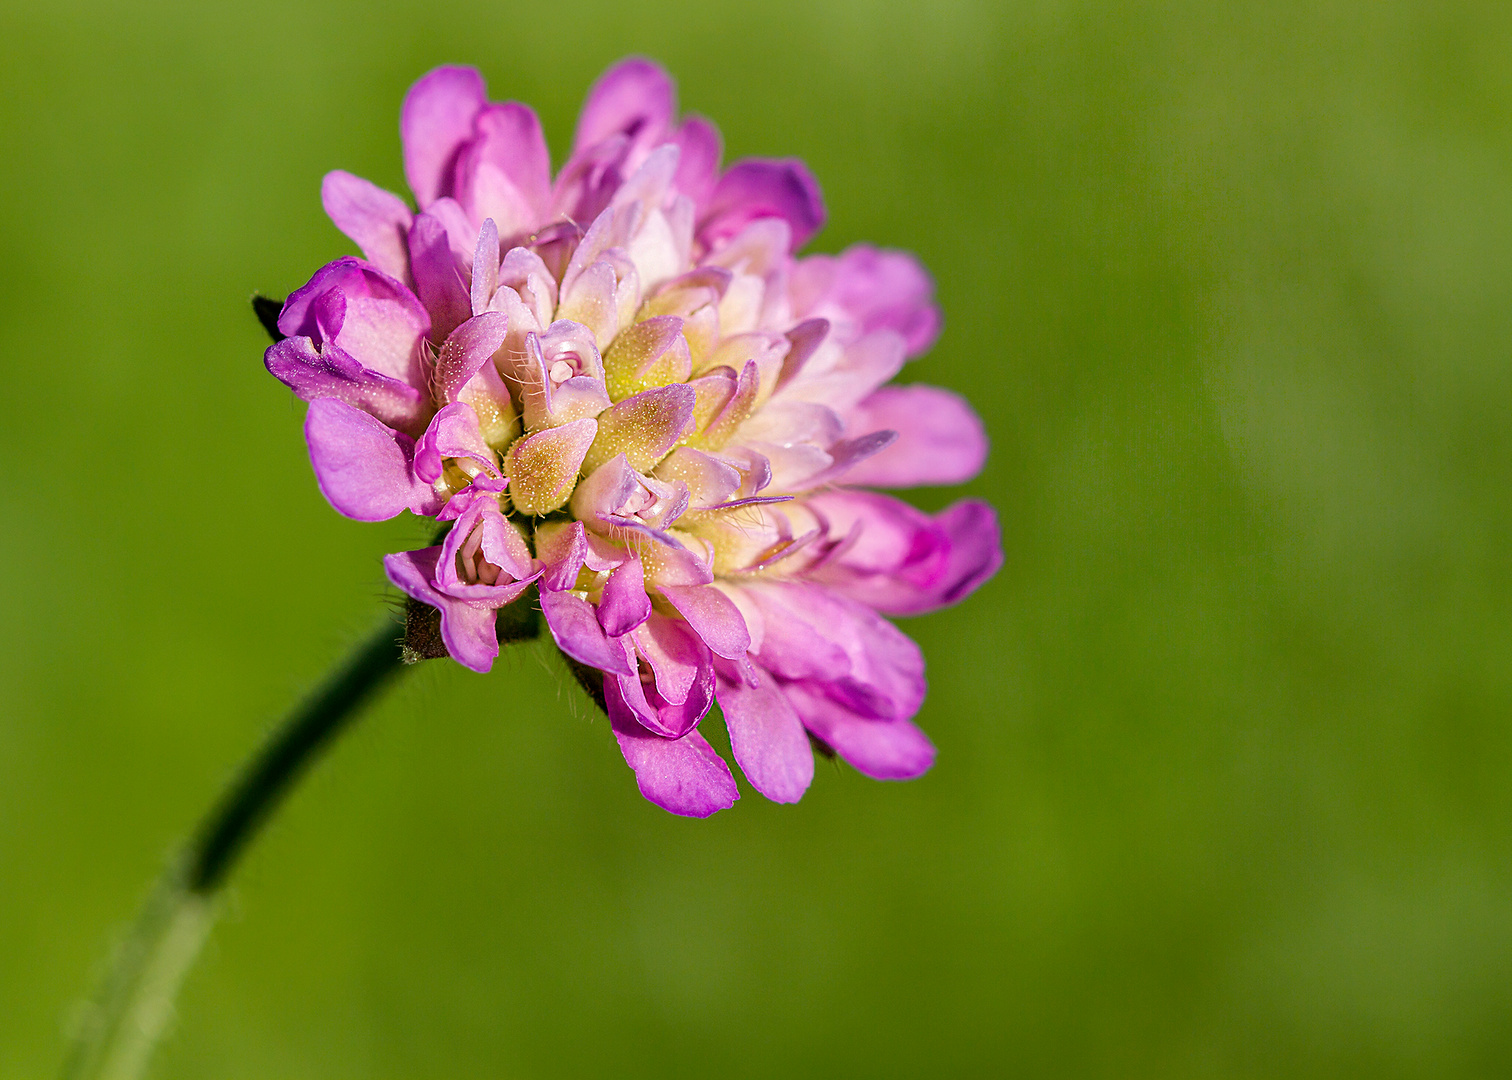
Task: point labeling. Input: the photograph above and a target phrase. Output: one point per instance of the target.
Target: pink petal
(437, 118)
(759, 188)
(331, 373)
(466, 628)
(364, 468)
(940, 438)
(438, 275)
(698, 163)
(575, 626)
(767, 737)
(713, 616)
(452, 433)
(865, 289)
(504, 173)
(684, 776)
(381, 321)
(976, 550)
(635, 97)
(467, 349)
(377, 221)
(881, 749)
(624, 604)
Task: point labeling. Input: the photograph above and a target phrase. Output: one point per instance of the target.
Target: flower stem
(120, 1028)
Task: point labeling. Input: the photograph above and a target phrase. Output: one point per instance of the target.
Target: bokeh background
(1223, 787)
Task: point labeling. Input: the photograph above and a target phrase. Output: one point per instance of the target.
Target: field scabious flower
(633, 402)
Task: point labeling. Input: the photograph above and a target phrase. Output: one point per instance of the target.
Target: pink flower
(624, 389)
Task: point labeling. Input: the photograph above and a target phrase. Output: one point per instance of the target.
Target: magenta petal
(466, 628)
(575, 626)
(767, 737)
(698, 161)
(881, 749)
(453, 433)
(635, 97)
(865, 289)
(331, 373)
(624, 604)
(363, 467)
(505, 172)
(437, 118)
(377, 221)
(375, 317)
(561, 551)
(467, 349)
(713, 616)
(758, 188)
(684, 776)
(976, 550)
(940, 439)
(438, 278)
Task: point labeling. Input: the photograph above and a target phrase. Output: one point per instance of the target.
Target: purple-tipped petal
(467, 349)
(880, 749)
(698, 161)
(377, 221)
(466, 628)
(435, 267)
(364, 468)
(759, 188)
(642, 428)
(542, 467)
(453, 433)
(766, 737)
(684, 776)
(940, 438)
(635, 98)
(976, 549)
(624, 604)
(713, 616)
(331, 373)
(436, 119)
(865, 289)
(575, 626)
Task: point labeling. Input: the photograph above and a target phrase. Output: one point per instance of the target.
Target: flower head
(626, 392)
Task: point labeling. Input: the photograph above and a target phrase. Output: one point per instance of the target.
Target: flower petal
(437, 118)
(542, 467)
(624, 604)
(881, 749)
(635, 97)
(332, 374)
(713, 616)
(764, 187)
(467, 349)
(364, 468)
(436, 268)
(377, 221)
(864, 289)
(576, 628)
(466, 628)
(452, 433)
(684, 776)
(766, 736)
(940, 438)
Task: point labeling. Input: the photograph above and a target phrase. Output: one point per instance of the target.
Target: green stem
(117, 1035)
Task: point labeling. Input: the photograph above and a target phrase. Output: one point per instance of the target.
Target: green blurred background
(1224, 749)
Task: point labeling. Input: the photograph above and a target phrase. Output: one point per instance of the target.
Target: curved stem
(118, 1032)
